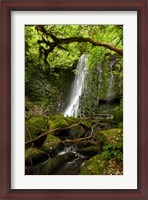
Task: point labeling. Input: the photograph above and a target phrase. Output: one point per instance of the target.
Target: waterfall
(77, 89)
(99, 69)
(110, 91)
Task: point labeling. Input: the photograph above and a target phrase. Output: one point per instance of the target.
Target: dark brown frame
(141, 6)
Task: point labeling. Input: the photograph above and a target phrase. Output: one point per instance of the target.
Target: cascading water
(99, 69)
(110, 91)
(77, 90)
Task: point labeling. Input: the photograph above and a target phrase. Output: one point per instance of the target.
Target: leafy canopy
(66, 55)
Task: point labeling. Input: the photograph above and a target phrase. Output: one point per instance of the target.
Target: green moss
(94, 166)
(35, 155)
(86, 124)
(112, 134)
(71, 120)
(49, 166)
(119, 116)
(52, 144)
(120, 125)
(97, 165)
(57, 121)
(35, 126)
(100, 137)
(113, 146)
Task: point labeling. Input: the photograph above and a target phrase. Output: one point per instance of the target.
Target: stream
(60, 164)
(72, 167)
(69, 160)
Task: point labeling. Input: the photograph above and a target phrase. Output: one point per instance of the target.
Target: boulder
(109, 136)
(112, 135)
(71, 120)
(34, 155)
(70, 168)
(97, 165)
(49, 166)
(57, 121)
(94, 166)
(76, 132)
(90, 142)
(35, 126)
(52, 145)
(88, 151)
(63, 134)
(86, 124)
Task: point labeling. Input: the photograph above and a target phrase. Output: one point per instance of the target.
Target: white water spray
(110, 89)
(77, 90)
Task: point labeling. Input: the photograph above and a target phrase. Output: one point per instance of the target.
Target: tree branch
(89, 40)
(84, 138)
(58, 41)
(51, 131)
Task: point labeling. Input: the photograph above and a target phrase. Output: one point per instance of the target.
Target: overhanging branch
(57, 42)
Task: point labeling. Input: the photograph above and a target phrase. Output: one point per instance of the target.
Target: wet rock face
(70, 168)
(103, 85)
(50, 165)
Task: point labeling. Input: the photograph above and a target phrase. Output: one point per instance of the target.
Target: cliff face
(103, 88)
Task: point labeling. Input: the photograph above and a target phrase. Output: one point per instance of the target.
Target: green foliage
(112, 143)
(43, 79)
(104, 81)
(120, 125)
(65, 58)
(112, 150)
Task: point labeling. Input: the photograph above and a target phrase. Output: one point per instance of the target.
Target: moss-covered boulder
(94, 166)
(111, 135)
(57, 121)
(71, 120)
(88, 151)
(34, 155)
(86, 124)
(34, 127)
(76, 132)
(52, 145)
(54, 163)
(88, 143)
(97, 165)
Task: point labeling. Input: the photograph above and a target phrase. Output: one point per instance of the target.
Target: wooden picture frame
(7, 6)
